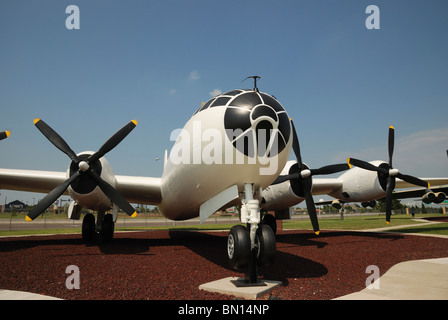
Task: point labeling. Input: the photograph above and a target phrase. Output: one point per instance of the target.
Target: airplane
(233, 151)
(384, 180)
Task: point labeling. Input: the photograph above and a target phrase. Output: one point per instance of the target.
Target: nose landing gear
(253, 245)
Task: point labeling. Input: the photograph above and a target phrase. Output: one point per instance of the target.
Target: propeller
(4, 134)
(302, 178)
(389, 172)
(84, 168)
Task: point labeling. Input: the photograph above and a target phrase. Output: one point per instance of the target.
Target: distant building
(16, 205)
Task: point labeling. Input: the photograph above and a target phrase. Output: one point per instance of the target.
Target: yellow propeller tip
(134, 122)
(391, 127)
(28, 219)
(317, 233)
(7, 133)
(349, 164)
(36, 120)
(134, 214)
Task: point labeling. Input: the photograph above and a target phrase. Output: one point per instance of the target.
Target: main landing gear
(101, 231)
(253, 245)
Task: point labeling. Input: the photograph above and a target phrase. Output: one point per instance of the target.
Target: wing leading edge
(143, 190)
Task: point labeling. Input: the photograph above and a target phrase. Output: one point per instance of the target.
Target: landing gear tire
(88, 228)
(270, 221)
(107, 229)
(266, 246)
(238, 247)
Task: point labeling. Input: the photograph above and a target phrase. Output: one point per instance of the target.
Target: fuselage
(239, 137)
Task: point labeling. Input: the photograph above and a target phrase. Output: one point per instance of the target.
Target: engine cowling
(361, 185)
(431, 197)
(336, 204)
(440, 197)
(281, 196)
(84, 191)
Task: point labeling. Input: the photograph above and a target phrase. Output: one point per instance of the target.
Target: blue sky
(156, 61)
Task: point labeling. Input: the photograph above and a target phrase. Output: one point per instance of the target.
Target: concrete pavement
(410, 280)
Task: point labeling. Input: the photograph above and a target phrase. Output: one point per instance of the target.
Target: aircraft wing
(326, 185)
(416, 193)
(432, 181)
(30, 180)
(402, 194)
(144, 190)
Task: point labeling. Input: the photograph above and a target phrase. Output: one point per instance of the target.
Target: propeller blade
(287, 177)
(365, 165)
(391, 143)
(305, 182)
(113, 141)
(113, 194)
(4, 134)
(311, 206)
(413, 180)
(389, 190)
(108, 190)
(333, 168)
(323, 170)
(296, 145)
(55, 139)
(50, 198)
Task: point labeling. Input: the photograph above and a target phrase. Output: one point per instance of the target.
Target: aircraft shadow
(8, 245)
(214, 249)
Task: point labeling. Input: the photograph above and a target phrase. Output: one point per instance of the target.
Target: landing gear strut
(251, 246)
(102, 230)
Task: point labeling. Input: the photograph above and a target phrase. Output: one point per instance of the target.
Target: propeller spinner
(84, 168)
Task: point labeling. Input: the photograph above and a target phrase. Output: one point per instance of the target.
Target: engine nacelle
(336, 204)
(431, 197)
(281, 196)
(366, 204)
(360, 185)
(84, 190)
(440, 197)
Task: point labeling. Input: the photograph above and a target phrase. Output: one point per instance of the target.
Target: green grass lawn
(373, 222)
(348, 223)
(351, 222)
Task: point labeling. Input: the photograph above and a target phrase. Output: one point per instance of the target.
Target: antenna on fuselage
(255, 81)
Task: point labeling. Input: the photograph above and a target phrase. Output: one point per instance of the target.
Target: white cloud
(215, 92)
(194, 75)
(423, 152)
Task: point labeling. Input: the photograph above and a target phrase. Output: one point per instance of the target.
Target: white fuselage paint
(185, 186)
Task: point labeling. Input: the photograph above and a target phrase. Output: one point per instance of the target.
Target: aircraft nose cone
(263, 111)
(256, 123)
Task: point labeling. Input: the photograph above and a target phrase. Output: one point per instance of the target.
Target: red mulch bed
(170, 265)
